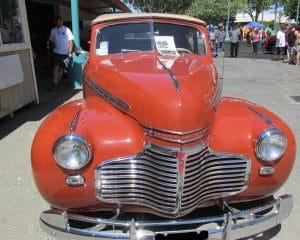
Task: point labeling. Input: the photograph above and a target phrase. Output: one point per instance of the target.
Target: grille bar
(171, 181)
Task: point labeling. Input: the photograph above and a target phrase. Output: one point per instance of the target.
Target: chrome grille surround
(173, 181)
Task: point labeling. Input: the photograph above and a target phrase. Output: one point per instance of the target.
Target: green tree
(290, 8)
(255, 7)
(166, 6)
(212, 11)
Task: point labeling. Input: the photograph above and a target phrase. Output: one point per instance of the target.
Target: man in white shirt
(235, 35)
(280, 42)
(61, 38)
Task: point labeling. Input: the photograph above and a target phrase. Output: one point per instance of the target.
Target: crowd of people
(217, 37)
(285, 40)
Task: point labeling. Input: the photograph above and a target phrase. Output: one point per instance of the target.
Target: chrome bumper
(232, 225)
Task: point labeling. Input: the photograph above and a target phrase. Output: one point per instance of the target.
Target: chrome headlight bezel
(78, 139)
(262, 137)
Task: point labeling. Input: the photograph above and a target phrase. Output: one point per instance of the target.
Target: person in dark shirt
(291, 49)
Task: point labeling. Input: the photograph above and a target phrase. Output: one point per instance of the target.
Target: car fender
(236, 128)
(110, 133)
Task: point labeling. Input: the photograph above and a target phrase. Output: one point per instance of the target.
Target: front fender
(111, 134)
(236, 129)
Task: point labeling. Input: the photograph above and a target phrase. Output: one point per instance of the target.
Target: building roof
(121, 16)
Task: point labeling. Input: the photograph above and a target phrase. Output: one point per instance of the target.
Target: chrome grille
(211, 175)
(171, 181)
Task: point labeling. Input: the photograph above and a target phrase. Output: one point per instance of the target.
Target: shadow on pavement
(35, 112)
(246, 51)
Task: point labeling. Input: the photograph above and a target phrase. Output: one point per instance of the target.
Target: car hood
(147, 83)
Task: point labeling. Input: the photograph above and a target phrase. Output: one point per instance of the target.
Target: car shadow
(49, 100)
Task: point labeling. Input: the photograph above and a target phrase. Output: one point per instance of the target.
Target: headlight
(271, 145)
(72, 152)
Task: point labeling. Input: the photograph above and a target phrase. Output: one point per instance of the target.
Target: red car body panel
(138, 80)
(140, 83)
(113, 134)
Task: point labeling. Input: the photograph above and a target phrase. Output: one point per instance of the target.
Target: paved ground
(258, 79)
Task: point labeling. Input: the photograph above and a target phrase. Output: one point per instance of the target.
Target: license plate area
(203, 235)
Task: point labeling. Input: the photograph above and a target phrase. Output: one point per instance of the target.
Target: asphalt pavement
(255, 78)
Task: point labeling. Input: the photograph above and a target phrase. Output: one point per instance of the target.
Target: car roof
(123, 16)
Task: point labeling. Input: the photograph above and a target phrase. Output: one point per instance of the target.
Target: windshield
(165, 38)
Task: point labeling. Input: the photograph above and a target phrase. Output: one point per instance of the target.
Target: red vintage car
(269, 44)
(153, 151)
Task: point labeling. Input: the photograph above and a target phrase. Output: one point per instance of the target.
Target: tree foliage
(165, 6)
(290, 8)
(211, 11)
(255, 7)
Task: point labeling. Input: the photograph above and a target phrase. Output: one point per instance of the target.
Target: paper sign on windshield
(165, 45)
(103, 50)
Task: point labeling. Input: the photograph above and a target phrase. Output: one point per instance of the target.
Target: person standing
(291, 40)
(213, 40)
(221, 35)
(297, 44)
(61, 39)
(280, 42)
(255, 40)
(235, 35)
(249, 36)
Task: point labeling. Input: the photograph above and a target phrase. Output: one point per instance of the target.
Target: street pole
(75, 22)
(77, 62)
(228, 18)
(298, 9)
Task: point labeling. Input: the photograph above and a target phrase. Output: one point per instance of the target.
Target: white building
(266, 16)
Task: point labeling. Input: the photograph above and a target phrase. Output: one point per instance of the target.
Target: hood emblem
(181, 160)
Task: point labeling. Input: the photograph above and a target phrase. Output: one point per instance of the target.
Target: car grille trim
(177, 137)
(172, 181)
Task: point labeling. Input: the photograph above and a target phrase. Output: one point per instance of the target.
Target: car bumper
(232, 225)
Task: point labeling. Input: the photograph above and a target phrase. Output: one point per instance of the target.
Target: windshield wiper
(123, 51)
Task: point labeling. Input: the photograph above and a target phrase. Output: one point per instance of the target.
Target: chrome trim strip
(181, 168)
(232, 225)
(153, 132)
(75, 121)
(261, 115)
(107, 96)
(171, 74)
(180, 141)
(174, 132)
